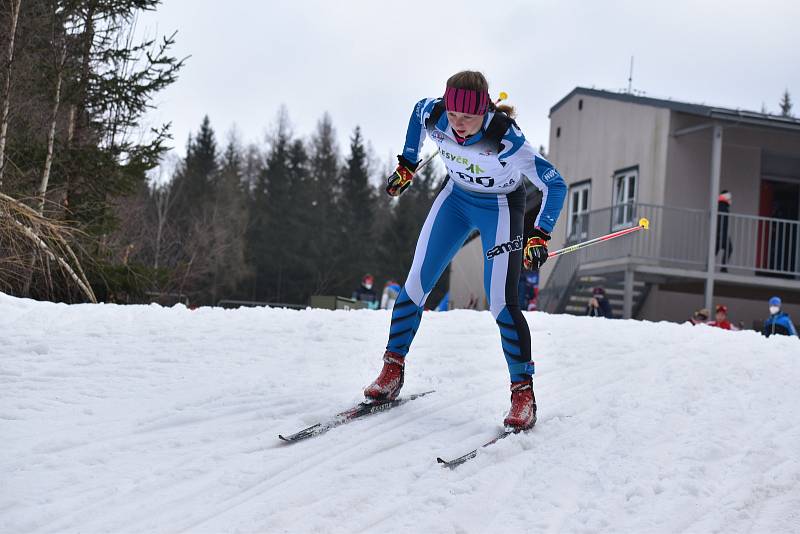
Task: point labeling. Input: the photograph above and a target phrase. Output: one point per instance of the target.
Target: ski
(361, 410)
(452, 464)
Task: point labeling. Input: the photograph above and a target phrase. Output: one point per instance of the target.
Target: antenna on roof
(630, 77)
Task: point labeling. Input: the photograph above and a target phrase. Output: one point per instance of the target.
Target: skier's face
(464, 124)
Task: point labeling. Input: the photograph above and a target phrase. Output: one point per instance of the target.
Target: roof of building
(711, 112)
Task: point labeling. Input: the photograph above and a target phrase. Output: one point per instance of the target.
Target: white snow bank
(150, 419)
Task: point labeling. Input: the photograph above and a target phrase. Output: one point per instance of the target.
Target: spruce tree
(193, 183)
(786, 104)
(229, 268)
(299, 225)
(325, 248)
(356, 208)
(193, 217)
(268, 211)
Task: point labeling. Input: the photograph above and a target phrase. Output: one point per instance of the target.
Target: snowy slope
(149, 419)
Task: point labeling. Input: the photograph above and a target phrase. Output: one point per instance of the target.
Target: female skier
(485, 154)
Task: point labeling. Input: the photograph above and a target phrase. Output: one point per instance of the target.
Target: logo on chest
(473, 168)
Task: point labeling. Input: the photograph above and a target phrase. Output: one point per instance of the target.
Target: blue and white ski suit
(484, 190)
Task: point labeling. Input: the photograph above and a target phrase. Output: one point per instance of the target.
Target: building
(625, 157)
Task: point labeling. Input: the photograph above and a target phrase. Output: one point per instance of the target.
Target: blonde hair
(476, 81)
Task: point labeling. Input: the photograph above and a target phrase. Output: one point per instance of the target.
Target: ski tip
(281, 437)
(441, 461)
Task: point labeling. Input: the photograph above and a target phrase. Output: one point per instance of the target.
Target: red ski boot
(522, 414)
(387, 385)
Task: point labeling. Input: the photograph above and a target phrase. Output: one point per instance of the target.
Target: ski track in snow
(150, 419)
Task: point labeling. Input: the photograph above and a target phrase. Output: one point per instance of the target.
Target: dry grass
(34, 244)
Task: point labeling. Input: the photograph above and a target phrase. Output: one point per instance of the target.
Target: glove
(400, 180)
(535, 253)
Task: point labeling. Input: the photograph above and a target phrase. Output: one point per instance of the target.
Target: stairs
(581, 292)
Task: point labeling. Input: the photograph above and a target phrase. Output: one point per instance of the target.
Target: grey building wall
(592, 137)
(466, 277)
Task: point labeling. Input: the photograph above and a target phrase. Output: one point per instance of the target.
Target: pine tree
(229, 224)
(193, 183)
(299, 225)
(325, 248)
(269, 210)
(194, 218)
(114, 78)
(786, 104)
(356, 208)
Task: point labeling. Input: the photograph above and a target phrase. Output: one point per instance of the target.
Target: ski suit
(484, 190)
(780, 323)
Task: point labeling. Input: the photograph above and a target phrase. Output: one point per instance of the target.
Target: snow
(149, 419)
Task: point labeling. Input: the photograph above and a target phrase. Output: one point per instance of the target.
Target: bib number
(485, 181)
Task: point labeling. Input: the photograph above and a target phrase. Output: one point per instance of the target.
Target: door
(778, 238)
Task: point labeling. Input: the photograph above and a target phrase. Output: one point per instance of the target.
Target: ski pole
(644, 224)
(426, 161)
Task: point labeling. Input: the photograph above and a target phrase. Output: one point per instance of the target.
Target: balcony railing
(678, 237)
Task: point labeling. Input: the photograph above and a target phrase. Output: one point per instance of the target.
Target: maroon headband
(466, 101)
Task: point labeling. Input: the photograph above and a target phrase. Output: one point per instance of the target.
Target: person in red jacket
(721, 318)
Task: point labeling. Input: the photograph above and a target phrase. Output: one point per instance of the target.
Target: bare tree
(163, 197)
(59, 40)
(15, 5)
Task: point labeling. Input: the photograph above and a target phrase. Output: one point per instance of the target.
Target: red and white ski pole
(644, 224)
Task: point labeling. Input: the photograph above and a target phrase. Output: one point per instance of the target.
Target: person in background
(724, 242)
(528, 289)
(390, 292)
(700, 316)
(366, 294)
(778, 321)
(599, 306)
(721, 318)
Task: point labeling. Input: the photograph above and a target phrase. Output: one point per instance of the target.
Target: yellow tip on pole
(503, 96)
(644, 223)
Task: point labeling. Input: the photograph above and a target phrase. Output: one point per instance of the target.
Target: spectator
(724, 242)
(700, 316)
(366, 294)
(599, 306)
(778, 321)
(390, 291)
(528, 289)
(721, 318)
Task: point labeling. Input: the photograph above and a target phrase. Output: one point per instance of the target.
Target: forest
(94, 207)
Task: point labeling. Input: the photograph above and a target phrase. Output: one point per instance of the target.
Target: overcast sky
(367, 62)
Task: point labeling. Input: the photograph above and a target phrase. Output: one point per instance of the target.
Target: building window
(558, 131)
(622, 213)
(578, 211)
